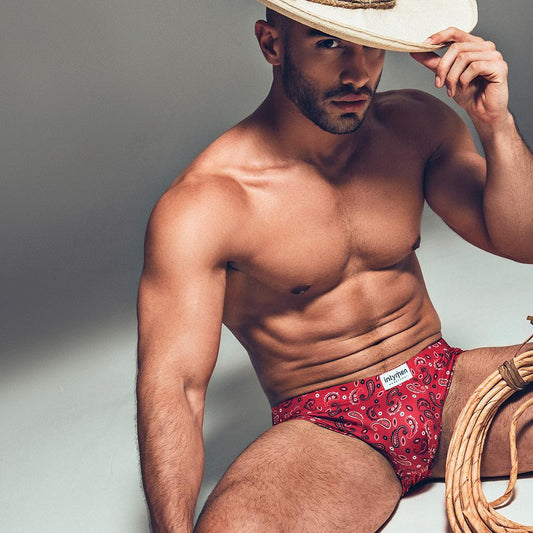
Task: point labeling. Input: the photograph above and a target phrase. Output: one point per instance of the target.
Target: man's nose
(354, 67)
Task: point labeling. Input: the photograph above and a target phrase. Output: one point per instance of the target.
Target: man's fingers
(485, 69)
(459, 51)
(449, 68)
(459, 73)
(428, 59)
(452, 35)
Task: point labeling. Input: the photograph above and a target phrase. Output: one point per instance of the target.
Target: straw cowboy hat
(400, 25)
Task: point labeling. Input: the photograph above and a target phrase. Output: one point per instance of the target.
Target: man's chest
(310, 234)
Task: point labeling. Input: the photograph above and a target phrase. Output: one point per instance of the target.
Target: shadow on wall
(102, 106)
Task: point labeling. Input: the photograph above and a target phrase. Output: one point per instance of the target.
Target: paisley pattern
(403, 423)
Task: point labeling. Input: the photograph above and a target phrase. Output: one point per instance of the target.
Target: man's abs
(365, 325)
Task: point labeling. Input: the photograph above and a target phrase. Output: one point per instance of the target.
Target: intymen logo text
(395, 376)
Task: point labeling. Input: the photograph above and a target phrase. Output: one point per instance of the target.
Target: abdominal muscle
(367, 324)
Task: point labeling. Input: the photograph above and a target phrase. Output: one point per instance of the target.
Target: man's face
(331, 81)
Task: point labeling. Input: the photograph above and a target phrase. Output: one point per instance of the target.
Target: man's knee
(230, 509)
(528, 347)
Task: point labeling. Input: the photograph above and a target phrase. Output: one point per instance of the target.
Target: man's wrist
(501, 127)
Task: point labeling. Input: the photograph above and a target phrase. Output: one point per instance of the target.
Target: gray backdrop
(102, 104)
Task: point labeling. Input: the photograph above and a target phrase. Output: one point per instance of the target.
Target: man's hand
(474, 73)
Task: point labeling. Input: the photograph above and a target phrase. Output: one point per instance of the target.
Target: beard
(307, 96)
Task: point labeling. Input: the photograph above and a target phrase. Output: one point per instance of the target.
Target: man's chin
(335, 123)
(343, 125)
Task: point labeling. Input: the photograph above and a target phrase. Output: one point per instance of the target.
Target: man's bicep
(181, 299)
(454, 184)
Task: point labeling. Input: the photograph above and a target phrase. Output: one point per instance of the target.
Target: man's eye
(328, 43)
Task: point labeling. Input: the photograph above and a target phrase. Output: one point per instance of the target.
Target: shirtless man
(297, 229)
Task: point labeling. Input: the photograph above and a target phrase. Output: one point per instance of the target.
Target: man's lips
(350, 102)
(350, 98)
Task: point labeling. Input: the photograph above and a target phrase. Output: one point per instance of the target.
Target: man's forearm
(172, 454)
(508, 197)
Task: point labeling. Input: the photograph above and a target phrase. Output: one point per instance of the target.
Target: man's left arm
(498, 205)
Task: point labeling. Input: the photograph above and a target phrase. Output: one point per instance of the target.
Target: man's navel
(300, 289)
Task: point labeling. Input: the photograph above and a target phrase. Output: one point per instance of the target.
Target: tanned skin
(298, 230)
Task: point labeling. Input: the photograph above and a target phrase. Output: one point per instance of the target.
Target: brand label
(395, 376)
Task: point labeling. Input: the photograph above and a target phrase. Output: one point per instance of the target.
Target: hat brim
(402, 28)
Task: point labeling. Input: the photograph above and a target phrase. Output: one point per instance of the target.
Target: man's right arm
(180, 306)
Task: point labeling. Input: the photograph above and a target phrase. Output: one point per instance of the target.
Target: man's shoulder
(407, 97)
(200, 213)
(216, 192)
(203, 193)
(413, 102)
(415, 113)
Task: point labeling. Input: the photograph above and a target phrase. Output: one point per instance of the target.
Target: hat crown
(358, 4)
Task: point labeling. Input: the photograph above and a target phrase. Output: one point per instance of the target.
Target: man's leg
(298, 477)
(472, 367)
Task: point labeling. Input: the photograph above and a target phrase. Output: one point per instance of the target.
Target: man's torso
(328, 288)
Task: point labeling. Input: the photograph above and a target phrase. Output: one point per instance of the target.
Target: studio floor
(68, 452)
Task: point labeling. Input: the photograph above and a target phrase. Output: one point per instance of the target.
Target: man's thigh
(472, 367)
(304, 478)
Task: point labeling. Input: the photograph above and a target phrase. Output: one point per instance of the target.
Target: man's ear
(269, 41)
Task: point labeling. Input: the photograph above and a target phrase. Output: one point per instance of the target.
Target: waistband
(390, 377)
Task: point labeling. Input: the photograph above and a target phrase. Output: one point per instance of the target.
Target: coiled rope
(466, 505)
